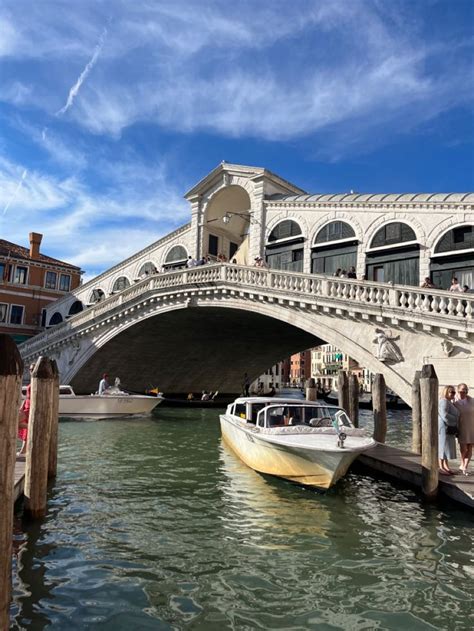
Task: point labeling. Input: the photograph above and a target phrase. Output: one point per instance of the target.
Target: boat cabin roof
(283, 401)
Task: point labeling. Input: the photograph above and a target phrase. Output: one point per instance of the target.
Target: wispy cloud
(16, 191)
(74, 91)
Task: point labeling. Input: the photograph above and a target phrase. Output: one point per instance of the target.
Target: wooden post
(416, 413)
(311, 393)
(429, 431)
(53, 443)
(343, 390)
(354, 399)
(39, 433)
(379, 407)
(11, 371)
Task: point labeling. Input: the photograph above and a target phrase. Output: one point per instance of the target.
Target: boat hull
(310, 467)
(106, 406)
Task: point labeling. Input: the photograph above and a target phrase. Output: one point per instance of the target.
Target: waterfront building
(29, 283)
(326, 362)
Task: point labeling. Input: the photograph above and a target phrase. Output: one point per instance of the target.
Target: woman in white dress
(465, 405)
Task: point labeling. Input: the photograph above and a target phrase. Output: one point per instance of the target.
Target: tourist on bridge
(455, 286)
(465, 404)
(427, 283)
(448, 418)
(352, 273)
(104, 384)
(190, 262)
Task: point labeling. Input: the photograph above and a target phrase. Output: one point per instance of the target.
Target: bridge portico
(204, 327)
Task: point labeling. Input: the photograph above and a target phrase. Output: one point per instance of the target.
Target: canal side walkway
(406, 467)
(391, 461)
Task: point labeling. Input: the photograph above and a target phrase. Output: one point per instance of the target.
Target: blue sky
(111, 109)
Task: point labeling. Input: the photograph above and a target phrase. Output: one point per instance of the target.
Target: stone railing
(399, 300)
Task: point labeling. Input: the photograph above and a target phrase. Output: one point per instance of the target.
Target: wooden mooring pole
(11, 371)
(343, 390)
(429, 431)
(416, 413)
(39, 433)
(354, 399)
(311, 394)
(379, 407)
(53, 443)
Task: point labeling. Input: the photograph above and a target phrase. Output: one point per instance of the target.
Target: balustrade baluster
(460, 308)
(426, 305)
(442, 305)
(411, 301)
(451, 305)
(468, 310)
(418, 302)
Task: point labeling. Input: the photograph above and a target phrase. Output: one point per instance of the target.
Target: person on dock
(465, 404)
(104, 384)
(448, 419)
(190, 397)
(24, 417)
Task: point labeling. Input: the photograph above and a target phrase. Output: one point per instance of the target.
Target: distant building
(326, 362)
(30, 282)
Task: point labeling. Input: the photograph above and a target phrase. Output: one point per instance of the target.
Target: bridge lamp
(247, 216)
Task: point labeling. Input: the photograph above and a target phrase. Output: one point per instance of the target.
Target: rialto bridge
(152, 321)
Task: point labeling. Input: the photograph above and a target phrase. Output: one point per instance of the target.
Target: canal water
(154, 524)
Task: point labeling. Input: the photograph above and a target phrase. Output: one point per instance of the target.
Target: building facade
(29, 282)
(243, 212)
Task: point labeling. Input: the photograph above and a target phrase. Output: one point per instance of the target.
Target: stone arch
(96, 295)
(339, 216)
(335, 332)
(378, 223)
(144, 268)
(285, 216)
(56, 318)
(75, 307)
(168, 255)
(442, 229)
(120, 283)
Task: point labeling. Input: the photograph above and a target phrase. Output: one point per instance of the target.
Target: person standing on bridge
(24, 417)
(465, 405)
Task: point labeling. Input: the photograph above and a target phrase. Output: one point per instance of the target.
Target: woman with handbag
(448, 418)
(465, 405)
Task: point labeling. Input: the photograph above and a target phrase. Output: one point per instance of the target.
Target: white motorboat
(308, 442)
(114, 403)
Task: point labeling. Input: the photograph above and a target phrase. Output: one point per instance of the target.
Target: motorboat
(308, 442)
(112, 404)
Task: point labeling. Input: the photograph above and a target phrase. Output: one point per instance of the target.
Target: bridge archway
(227, 218)
(284, 249)
(394, 255)
(334, 247)
(454, 256)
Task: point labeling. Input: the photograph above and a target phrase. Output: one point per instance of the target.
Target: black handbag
(452, 430)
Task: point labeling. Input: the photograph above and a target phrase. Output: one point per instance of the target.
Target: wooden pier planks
(406, 466)
(19, 483)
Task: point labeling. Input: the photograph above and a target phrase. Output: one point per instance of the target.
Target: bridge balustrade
(429, 302)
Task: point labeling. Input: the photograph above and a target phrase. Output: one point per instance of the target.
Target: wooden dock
(19, 479)
(406, 467)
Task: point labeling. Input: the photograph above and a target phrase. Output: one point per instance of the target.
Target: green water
(154, 524)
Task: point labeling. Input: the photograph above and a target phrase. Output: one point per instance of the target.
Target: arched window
(97, 295)
(147, 269)
(334, 231)
(393, 233)
(284, 230)
(461, 238)
(284, 249)
(454, 257)
(176, 258)
(394, 255)
(121, 283)
(56, 318)
(335, 248)
(76, 307)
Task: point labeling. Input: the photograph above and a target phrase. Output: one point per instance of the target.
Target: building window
(43, 317)
(64, 282)
(233, 247)
(393, 233)
(56, 318)
(21, 274)
(121, 283)
(5, 272)
(176, 258)
(16, 314)
(97, 296)
(51, 278)
(213, 245)
(3, 312)
(284, 230)
(147, 269)
(335, 231)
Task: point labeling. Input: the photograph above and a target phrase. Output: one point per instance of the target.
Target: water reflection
(154, 524)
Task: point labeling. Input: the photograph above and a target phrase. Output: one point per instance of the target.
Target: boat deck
(406, 466)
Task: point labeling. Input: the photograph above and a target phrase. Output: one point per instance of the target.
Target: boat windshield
(314, 416)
